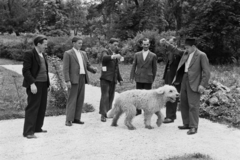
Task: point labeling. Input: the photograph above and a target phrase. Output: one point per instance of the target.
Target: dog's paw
(159, 122)
(149, 127)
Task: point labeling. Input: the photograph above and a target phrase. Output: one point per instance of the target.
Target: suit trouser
(107, 96)
(36, 108)
(171, 108)
(189, 103)
(75, 100)
(146, 86)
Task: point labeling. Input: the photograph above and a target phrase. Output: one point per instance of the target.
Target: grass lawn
(13, 96)
(125, 73)
(4, 61)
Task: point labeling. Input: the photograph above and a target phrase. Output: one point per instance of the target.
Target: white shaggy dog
(151, 101)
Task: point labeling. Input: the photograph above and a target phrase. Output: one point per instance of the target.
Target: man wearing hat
(193, 73)
(110, 75)
(36, 81)
(75, 67)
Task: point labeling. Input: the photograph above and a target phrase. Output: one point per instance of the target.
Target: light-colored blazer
(144, 71)
(71, 66)
(198, 71)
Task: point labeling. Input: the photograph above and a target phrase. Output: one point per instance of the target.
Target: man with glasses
(144, 68)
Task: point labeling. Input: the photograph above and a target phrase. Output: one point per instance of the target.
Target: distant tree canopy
(215, 23)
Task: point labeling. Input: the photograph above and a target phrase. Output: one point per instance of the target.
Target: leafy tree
(76, 15)
(216, 24)
(124, 18)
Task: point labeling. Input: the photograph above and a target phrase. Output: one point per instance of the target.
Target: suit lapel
(147, 58)
(195, 56)
(45, 58)
(141, 58)
(110, 52)
(183, 60)
(36, 56)
(83, 59)
(75, 56)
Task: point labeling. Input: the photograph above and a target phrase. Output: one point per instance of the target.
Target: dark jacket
(172, 64)
(31, 67)
(144, 71)
(112, 72)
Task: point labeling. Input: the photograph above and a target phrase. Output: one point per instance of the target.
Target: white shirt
(145, 53)
(80, 60)
(188, 61)
(40, 54)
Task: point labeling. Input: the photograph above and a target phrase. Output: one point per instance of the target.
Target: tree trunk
(75, 31)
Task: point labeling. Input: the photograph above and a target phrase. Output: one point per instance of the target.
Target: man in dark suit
(144, 68)
(36, 81)
(110, 75)
(193, 72)
(75, 67)
(169, 73)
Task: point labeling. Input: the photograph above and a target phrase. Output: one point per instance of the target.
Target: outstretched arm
(175, 50)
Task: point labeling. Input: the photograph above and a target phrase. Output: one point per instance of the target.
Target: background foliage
(215, 23)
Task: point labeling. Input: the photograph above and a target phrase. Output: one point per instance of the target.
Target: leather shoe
(77, 121)
(192, 131)
(31, 136)
(168, 120)
(103, 118)
(184, 127)
(41, 131)
(68, 123)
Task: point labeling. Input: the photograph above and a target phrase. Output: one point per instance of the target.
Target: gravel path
(96, 140)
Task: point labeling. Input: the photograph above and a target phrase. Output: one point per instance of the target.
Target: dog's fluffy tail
(116, 108)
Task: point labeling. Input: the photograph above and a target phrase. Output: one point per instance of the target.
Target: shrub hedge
(58, 45)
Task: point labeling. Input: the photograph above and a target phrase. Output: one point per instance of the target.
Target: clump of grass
(228, 75)
(194, 156)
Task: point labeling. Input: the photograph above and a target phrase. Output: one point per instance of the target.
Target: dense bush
(92, 45)
(132, 46)
(58, 89)
(15, 51)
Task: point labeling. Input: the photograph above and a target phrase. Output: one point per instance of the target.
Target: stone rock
(221, 103)
(213, 100)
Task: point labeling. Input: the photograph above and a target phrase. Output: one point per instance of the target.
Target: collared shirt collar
(193, 51)
(76, 50)
(39, 53)
(145, 51)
